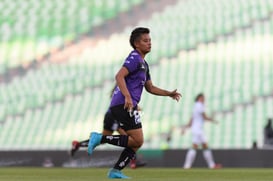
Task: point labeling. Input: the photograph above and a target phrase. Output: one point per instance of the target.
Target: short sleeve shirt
(197, 116)
(138, 75)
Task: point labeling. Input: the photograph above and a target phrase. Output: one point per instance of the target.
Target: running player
(110, 125)
(198, 138)
(131, 79)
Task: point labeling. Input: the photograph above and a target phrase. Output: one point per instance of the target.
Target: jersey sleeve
(131, 64)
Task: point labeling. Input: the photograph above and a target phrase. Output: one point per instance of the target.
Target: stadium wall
(154, 158)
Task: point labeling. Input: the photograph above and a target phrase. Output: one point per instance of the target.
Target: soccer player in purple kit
(132, 77)
(110, 125)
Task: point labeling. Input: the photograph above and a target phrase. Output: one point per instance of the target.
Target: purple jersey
(135, 80)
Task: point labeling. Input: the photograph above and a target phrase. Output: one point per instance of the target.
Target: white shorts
(198, 137)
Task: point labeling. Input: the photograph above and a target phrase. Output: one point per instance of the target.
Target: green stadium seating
(231, 63)
(30, 29)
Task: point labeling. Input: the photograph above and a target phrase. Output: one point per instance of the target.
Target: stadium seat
(231, 63)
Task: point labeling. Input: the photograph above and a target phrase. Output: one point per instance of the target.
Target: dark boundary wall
(154, 158)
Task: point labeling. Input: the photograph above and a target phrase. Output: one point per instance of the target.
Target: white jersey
(197, 117)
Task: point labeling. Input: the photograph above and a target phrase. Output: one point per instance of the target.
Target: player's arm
(208, 118)
(186, 126)
(189, 124)
(120, 79)
(161, 92)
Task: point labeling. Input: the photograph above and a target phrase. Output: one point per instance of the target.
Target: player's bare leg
(136, 139)
(135, 162)
(131, 142)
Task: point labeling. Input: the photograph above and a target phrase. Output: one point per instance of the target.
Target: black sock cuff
(131, 153)
(84, 143)
(118, 140)
(124, 140)
(125, 158)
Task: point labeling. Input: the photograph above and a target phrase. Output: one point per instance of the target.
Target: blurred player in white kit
(198, 137)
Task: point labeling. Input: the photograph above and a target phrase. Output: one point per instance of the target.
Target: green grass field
(143, 174)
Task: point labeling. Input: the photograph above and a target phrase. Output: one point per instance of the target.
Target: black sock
(84, 143)
(118, 140)
(125, 158)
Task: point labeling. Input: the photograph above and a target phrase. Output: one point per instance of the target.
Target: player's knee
(135, 142)
(195, 146)
(138, 143)
(204, 146)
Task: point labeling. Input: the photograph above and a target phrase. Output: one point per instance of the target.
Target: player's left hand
(175, 95)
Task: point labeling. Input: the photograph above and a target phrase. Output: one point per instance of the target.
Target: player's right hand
(128, 105)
